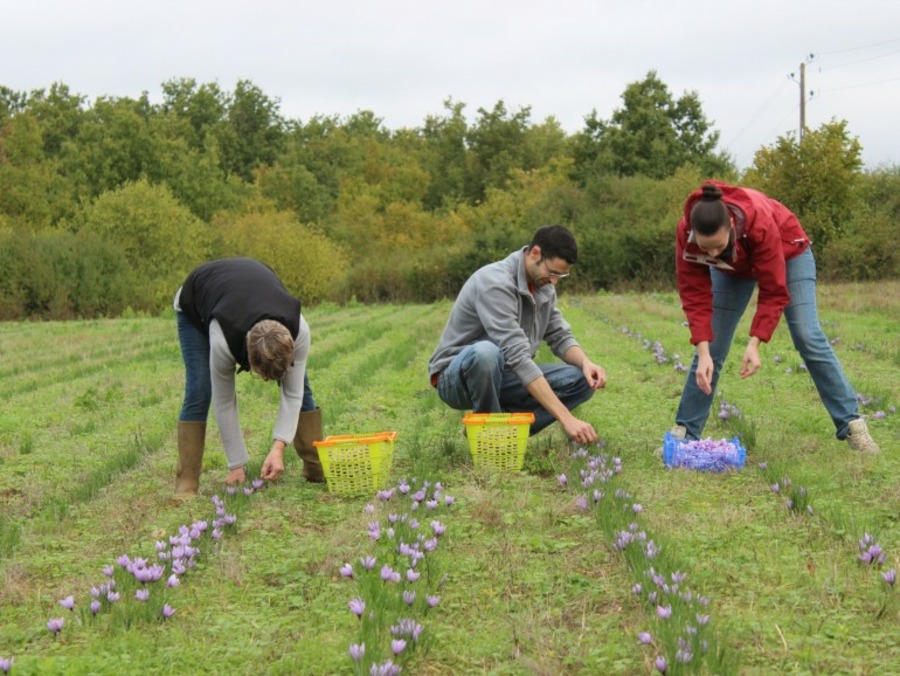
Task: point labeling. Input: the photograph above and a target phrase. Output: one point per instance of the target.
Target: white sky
(564, 58)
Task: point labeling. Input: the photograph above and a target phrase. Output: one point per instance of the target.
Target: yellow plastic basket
(356, 463)
(498, 440)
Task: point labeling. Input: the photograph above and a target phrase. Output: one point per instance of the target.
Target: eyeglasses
(553, 274)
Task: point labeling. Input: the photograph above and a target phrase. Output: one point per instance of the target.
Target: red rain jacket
(767, 235)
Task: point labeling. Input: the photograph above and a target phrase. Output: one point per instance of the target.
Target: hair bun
(711, 192)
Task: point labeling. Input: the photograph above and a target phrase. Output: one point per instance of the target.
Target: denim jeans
(730, 298)
(476, 379)
(197, 380)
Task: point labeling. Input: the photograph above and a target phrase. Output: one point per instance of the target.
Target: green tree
(32, 193)
(253, 133)
(159, 237)
(819, 178)
(653, 134)
(310, 265)
(501, 141)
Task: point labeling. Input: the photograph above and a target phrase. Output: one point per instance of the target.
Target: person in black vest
(235, 315)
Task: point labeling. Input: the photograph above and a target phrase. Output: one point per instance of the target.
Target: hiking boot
(860, 439)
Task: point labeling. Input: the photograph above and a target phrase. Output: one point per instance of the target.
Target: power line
(858, 86)
(755, 115)
(853, 63)
(856, 49)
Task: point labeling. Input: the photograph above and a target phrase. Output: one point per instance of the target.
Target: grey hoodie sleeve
(224, 398)
(292, 388)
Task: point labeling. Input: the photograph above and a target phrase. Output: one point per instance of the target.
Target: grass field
(529, 581)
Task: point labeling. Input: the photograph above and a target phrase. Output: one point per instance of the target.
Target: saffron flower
(890, 576)
(55, 625)
(664, 612)
(358, 606)
(409, 597)
(562, 479)
(432, 601)
(661, 665)
(346, 570)
(6, 664)
(167, 611)
(438, 528)
(412, 575)
(397, 645)
(645, 638)
(142, 594)
(357, 650)
(173, 581)
(68, 603)
(95, 607)
(637, 588)
(368, 562)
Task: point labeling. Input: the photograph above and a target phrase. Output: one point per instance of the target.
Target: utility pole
(803, 92)
(802, 98)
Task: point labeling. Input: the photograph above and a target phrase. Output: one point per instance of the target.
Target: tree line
(106, 205)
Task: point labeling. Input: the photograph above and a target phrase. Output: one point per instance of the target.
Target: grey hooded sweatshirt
(495, 304)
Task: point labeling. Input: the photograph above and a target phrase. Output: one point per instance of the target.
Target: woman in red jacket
(729, 241)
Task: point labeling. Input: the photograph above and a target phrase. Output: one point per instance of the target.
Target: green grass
(535, 585)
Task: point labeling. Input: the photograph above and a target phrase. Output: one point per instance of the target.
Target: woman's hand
(236, 476)
(273, 467)
(751, 362)
(705, 368)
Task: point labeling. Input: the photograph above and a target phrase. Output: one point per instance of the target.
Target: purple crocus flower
(645, 638)
(432, 601)
(257, 484)
(173, 581)
(358, 606)
(563, 480)
(664, 612)
(346, 570)
(68, 603)
(637, 588)
(142, 594)
(398, 645)
(412, 575)
(6, 664)
(112, 596)
(109, 571)
(368, 562)
(449, 500)
(95, 607)
(167, 611)
(661, 665)
(386, 669)
(438, 528)
(409, 597)
(890, 576)
(55, 625)
(357, 650)
(386, 572)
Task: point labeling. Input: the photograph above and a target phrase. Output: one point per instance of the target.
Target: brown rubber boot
(191, 437)
(309, 429)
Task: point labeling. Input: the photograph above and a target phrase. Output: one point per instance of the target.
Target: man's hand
(750, 363)
(236, 476)
(273, 467)
(594, 374)
(579, 431)
(704, 372)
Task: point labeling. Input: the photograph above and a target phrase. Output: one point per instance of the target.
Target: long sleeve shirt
(496, 304)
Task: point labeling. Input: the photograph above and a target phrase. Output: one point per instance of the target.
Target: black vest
(238, 293)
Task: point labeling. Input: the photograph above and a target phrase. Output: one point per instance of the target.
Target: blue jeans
(476, 379)
(730, 298)
(197, 380)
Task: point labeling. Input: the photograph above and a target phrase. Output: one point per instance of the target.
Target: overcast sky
(564, 58)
